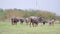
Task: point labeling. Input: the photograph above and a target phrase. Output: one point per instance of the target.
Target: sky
(49, 5)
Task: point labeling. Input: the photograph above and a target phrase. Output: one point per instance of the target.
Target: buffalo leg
(33, 24)
(43, 23)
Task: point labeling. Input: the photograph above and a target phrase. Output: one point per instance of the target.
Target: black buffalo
(34, 20)
(14, 20)
(42, 20)
(21, 20)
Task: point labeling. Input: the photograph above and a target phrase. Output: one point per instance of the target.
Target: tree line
(8, 13)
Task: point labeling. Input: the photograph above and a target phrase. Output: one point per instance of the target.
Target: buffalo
(27, 20)
(34, 20)
(14, 20)
(51, 22)
(42, 20)
(21, 20)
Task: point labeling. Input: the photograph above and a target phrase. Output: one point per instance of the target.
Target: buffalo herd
(32, 20)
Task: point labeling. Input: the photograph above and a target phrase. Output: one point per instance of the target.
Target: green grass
(7, 28)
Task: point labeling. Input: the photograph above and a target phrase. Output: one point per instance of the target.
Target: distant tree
(2, 15)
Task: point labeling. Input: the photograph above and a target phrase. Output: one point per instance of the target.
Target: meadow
(8, 28)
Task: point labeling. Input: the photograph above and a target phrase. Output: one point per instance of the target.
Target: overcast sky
(50, 5)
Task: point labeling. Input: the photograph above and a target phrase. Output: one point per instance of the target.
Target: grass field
(7, 28)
